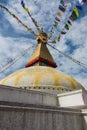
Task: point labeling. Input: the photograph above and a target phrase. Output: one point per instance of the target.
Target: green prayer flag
(55, 24)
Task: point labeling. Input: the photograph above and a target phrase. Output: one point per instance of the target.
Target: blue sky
(14, 38)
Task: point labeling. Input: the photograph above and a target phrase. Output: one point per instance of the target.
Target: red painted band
(43, 60)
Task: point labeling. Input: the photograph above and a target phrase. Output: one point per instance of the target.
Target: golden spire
(41, 55)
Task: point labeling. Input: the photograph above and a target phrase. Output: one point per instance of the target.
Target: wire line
(14, 16)
(69, 57)
(7, 65)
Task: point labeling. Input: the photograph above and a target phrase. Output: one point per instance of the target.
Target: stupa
(40, 97)
(40, 73)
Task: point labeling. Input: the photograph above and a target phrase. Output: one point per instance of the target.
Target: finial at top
(42, 37)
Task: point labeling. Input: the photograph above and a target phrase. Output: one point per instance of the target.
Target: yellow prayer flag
(57, 39)
(10, 12)
(76, 11)
(26, 9)
(68, 25)
(59, 13)
(24, 25)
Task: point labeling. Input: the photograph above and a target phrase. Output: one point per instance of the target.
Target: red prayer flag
(84, 1)
(71, 18)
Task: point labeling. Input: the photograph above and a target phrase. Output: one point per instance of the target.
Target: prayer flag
(13, 15)
(71, 18)
(55, 24)
(57, 38)
(67, 26)
(24, 25)
(22, 3)
(84, 1)
(63, 32)
(16, 18)
(62, 2)
(57, 19)
(26, 9)
(6, 9)
(59, 14)
(69, 22)
(74, 16)
(10, 12)
(63, 9)
(75, 10)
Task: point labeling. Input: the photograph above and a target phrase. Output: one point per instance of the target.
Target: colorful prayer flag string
(62, 8)
(74, 15)
(14, 16)
(28, 11)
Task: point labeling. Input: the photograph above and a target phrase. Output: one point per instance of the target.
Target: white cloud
(44, 12)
